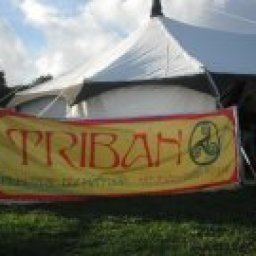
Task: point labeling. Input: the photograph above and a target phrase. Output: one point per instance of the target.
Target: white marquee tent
(164, 67)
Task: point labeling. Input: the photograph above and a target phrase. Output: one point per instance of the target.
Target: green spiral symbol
(204, 143)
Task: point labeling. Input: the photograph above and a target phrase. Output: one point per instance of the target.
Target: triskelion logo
(204, 143)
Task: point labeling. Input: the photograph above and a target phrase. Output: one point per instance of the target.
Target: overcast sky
(52, 36)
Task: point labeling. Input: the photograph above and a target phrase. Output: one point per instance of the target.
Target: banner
(45, 159)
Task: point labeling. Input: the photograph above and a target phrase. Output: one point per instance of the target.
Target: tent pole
(248, 161)
(242, 149)
(44, 110)
(215, 88)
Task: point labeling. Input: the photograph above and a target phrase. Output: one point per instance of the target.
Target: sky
(40, 37)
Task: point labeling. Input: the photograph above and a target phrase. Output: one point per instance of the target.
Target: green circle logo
(204, 143)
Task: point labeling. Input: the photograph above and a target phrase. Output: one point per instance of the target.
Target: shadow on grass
(215, 207)
(228, 207)
(75, 222)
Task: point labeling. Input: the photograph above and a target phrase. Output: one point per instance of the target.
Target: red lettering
(83, 149)
(64, 151)
(171, 141)
(107, 145)
(49, 147)
(11, 133)
(138, 139)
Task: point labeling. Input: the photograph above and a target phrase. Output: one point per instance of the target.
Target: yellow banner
(49, 159)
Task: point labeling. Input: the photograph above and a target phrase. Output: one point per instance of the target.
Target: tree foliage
(42, 79)
(2, 79)
(5, 92)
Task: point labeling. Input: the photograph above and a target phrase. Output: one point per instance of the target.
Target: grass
(222, 223)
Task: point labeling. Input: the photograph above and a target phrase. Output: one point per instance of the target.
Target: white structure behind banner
(149, 100)
(138, 77)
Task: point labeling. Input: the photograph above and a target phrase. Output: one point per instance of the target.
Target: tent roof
(161, 49)
(167, 48)
(218, 51)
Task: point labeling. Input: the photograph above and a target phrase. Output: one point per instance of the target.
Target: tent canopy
(162, 50)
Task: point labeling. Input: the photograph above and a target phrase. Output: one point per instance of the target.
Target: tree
(2, 80)
(42, 79)
(5, 92)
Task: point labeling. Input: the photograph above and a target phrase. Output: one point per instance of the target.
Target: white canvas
(149, 101)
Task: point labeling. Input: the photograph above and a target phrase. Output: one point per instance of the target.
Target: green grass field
(222, 223)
